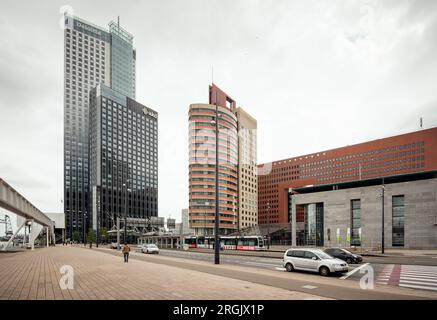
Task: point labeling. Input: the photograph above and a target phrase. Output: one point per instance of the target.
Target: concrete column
(47, 236)
(32, 245)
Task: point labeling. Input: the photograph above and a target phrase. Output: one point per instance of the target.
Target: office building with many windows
(123, 158)
(92, 55)
(406, 153)
(237, 165)
(336, 197)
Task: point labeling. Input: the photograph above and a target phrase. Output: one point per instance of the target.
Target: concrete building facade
(350, 214)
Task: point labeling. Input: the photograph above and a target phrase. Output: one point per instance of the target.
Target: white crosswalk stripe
(418, 277)
(385, 274)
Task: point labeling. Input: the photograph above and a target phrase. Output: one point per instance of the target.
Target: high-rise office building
(92, 55)
(408, 153)
(237, 146)
(123, 158)
(247, 170)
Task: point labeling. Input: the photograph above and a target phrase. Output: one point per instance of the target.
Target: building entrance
(309, 224)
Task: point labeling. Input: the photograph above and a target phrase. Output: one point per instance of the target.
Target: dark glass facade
(310, 224)
(123, 158)
(398, 215)
(355, 222)
(88, 61)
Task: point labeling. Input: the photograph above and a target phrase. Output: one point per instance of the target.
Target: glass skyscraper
(92, 55)
(123, 158)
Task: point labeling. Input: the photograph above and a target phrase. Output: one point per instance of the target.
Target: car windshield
(152, 246)
(344, 250)
(323, 255)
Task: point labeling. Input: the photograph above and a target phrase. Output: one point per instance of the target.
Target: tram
(250, 243)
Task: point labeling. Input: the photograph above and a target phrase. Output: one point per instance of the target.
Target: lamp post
(125, 210)
(268, 225)
(382, 227)
(217, 215)
(204, 221)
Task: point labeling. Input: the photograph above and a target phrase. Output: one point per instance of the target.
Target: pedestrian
(126, 250)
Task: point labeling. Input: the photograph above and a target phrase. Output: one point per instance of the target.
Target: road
(268, 271)
(424, 260)
(415, 276)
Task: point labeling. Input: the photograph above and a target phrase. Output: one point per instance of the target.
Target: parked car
(314, 260)
(344, 255)
(149, 248)
(114, 245)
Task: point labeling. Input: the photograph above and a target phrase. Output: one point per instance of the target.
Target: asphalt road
(330, 287)
(424, 260)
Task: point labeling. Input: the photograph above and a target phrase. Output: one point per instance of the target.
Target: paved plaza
(98, 275)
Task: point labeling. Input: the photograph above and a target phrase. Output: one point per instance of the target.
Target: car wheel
(324, 271)
(289, 267)
(348, 260)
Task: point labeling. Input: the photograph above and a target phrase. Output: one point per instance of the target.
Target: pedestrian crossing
(384, 276)
(418, 277)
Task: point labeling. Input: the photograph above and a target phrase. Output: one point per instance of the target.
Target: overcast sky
(315, 74)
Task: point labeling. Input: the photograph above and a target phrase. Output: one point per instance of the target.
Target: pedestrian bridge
(13, 201)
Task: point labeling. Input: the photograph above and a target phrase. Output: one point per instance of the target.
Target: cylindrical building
(202, 160)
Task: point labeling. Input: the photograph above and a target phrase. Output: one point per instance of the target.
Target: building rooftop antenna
(421, 123)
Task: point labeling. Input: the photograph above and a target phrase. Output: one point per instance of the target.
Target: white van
(314, 260)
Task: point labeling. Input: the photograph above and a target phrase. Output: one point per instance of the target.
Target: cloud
(316, 75)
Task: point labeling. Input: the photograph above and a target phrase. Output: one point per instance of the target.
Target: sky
(316, 75)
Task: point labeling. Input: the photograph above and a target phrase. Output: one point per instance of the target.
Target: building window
(355, 222)
(398, 212)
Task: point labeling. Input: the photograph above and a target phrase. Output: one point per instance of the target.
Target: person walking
(126, 250)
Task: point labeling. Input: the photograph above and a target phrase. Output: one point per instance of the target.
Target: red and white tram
(252, 243)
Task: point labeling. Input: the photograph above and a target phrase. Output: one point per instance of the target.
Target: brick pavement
(97, 275)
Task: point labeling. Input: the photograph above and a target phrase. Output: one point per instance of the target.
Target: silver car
(314, 260)
(149, 248)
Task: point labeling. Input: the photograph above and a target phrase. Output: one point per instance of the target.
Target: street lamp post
(217, 215)
(125, 210)
(382, 227)
(268, 225)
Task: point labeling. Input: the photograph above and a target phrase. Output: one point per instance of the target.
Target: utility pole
(215, 123)
(217, 214)
(268, 225)
(125, 210)
(382, 222)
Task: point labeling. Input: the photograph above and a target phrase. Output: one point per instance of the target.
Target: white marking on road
(425, 283)
(419, 278)
(280, 269)
(419, 274)
(347, 275)
(417, 287)
(259, 264)
(309, 287)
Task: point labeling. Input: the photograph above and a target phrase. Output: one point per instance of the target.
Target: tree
(103, 234)
(76, 236)
(90, 237)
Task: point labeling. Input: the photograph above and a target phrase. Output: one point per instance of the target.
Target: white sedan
(149, 248)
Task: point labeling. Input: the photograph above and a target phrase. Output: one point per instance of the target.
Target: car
(149, 248)
(314, 260)
(344, 255)
(114, 245)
